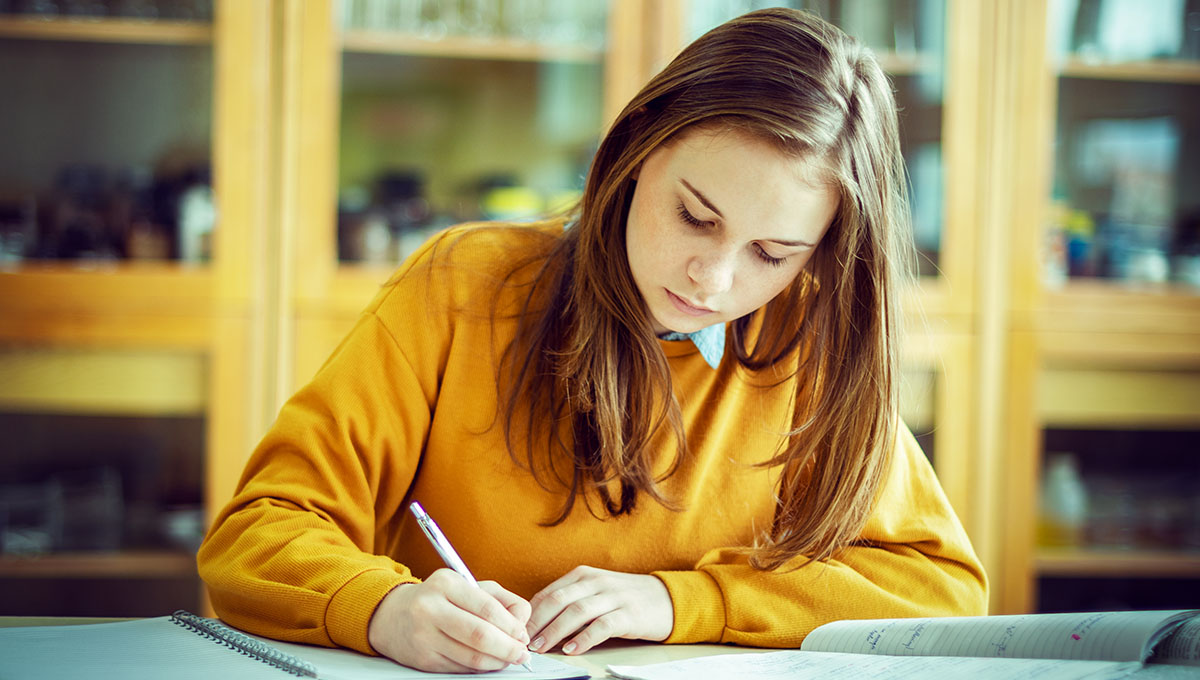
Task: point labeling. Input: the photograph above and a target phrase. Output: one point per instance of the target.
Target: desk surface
(622, 652)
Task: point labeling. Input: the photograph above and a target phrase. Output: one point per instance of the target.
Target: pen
(444, 550)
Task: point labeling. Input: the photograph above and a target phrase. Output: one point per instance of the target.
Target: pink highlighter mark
(1075, 636)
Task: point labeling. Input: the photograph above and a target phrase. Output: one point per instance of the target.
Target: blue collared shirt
(710, 341)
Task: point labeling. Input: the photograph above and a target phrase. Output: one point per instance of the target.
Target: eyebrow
(702, 198)
(708, 204)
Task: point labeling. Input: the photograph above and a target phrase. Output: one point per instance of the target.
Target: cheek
(765, 287)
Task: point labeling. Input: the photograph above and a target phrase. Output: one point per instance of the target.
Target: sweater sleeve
(297, 554)
(913, 559)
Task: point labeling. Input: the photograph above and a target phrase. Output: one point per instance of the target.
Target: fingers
(589, 606)
(447, 624)
(610, 625)
(566, 606)
(493, 630)
(515, 604)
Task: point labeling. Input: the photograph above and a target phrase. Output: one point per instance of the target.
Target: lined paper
(797, 665)
(1102, 636)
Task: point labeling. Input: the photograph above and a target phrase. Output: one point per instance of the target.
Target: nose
(712, 272)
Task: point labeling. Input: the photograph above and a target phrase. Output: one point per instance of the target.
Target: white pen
(444, 550)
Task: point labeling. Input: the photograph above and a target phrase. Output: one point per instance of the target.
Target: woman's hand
(447, 625)
(591, 605)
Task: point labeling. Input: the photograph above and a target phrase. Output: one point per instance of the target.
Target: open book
(1091, 645)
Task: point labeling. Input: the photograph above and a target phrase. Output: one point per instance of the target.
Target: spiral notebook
(184, 646)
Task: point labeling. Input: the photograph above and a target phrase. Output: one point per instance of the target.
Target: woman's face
(720, 223)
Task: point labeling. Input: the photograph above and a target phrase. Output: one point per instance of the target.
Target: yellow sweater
(317, 532)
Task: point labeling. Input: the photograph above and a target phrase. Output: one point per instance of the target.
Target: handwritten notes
(1105, 636)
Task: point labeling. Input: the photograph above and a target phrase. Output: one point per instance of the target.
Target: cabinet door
(107, 126)
(445, 112)
(1106, 309)
(1119, 493)
(126, 302)
(104, 339)
(1125, 210)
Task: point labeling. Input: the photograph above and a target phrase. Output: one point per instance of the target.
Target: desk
(621, 652)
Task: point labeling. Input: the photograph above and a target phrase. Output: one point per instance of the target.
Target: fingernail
(569, 647)
(536, 644)
(525, 658)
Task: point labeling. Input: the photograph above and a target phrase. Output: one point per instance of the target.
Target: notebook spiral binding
(243, 644)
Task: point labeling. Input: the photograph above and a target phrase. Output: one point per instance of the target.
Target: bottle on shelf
(1064, 507)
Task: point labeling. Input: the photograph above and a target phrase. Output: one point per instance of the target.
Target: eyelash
(690, 219)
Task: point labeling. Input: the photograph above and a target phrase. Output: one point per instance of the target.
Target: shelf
(119, 565)
(908, 63)
(1158, 71)
(502, 49)
(108, 30)
(1093, 319)
(1088, 398)
(1098, 563)
(103, 382)
(141, 303)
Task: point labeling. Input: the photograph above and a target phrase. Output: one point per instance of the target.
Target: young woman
(672, 418)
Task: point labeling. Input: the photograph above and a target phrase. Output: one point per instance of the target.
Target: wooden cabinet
(1103, 347)
(322, 120)
(128, 381)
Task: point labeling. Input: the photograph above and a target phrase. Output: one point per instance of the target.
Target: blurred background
(197, 197)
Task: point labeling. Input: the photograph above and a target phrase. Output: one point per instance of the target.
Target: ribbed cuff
(699, 606)
(351, 607)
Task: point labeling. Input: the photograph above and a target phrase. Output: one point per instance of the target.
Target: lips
(687, 307)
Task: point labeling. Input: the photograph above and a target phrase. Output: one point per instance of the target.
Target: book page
(795, 665)
(1182, 647)
(1101, 636)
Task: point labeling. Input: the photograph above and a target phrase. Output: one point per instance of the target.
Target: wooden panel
(1089, 398)
(103, 382)
(389, 42)
(108, 30)
(120, 565)
(1118, 564)
(1104, 306)
(1156, 71)
(1015, 507)
(917, 394)
(1128, 350)
(162, 288)
(105, 330)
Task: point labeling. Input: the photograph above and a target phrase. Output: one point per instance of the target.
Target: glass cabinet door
(908, 38)
(107, 131)
(1125, 204)
(125, 308)
(461, 110)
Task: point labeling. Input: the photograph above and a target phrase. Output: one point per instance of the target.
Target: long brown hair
(585, 373)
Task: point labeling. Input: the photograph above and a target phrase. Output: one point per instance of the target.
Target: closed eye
(688, 218)
(762, 255)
